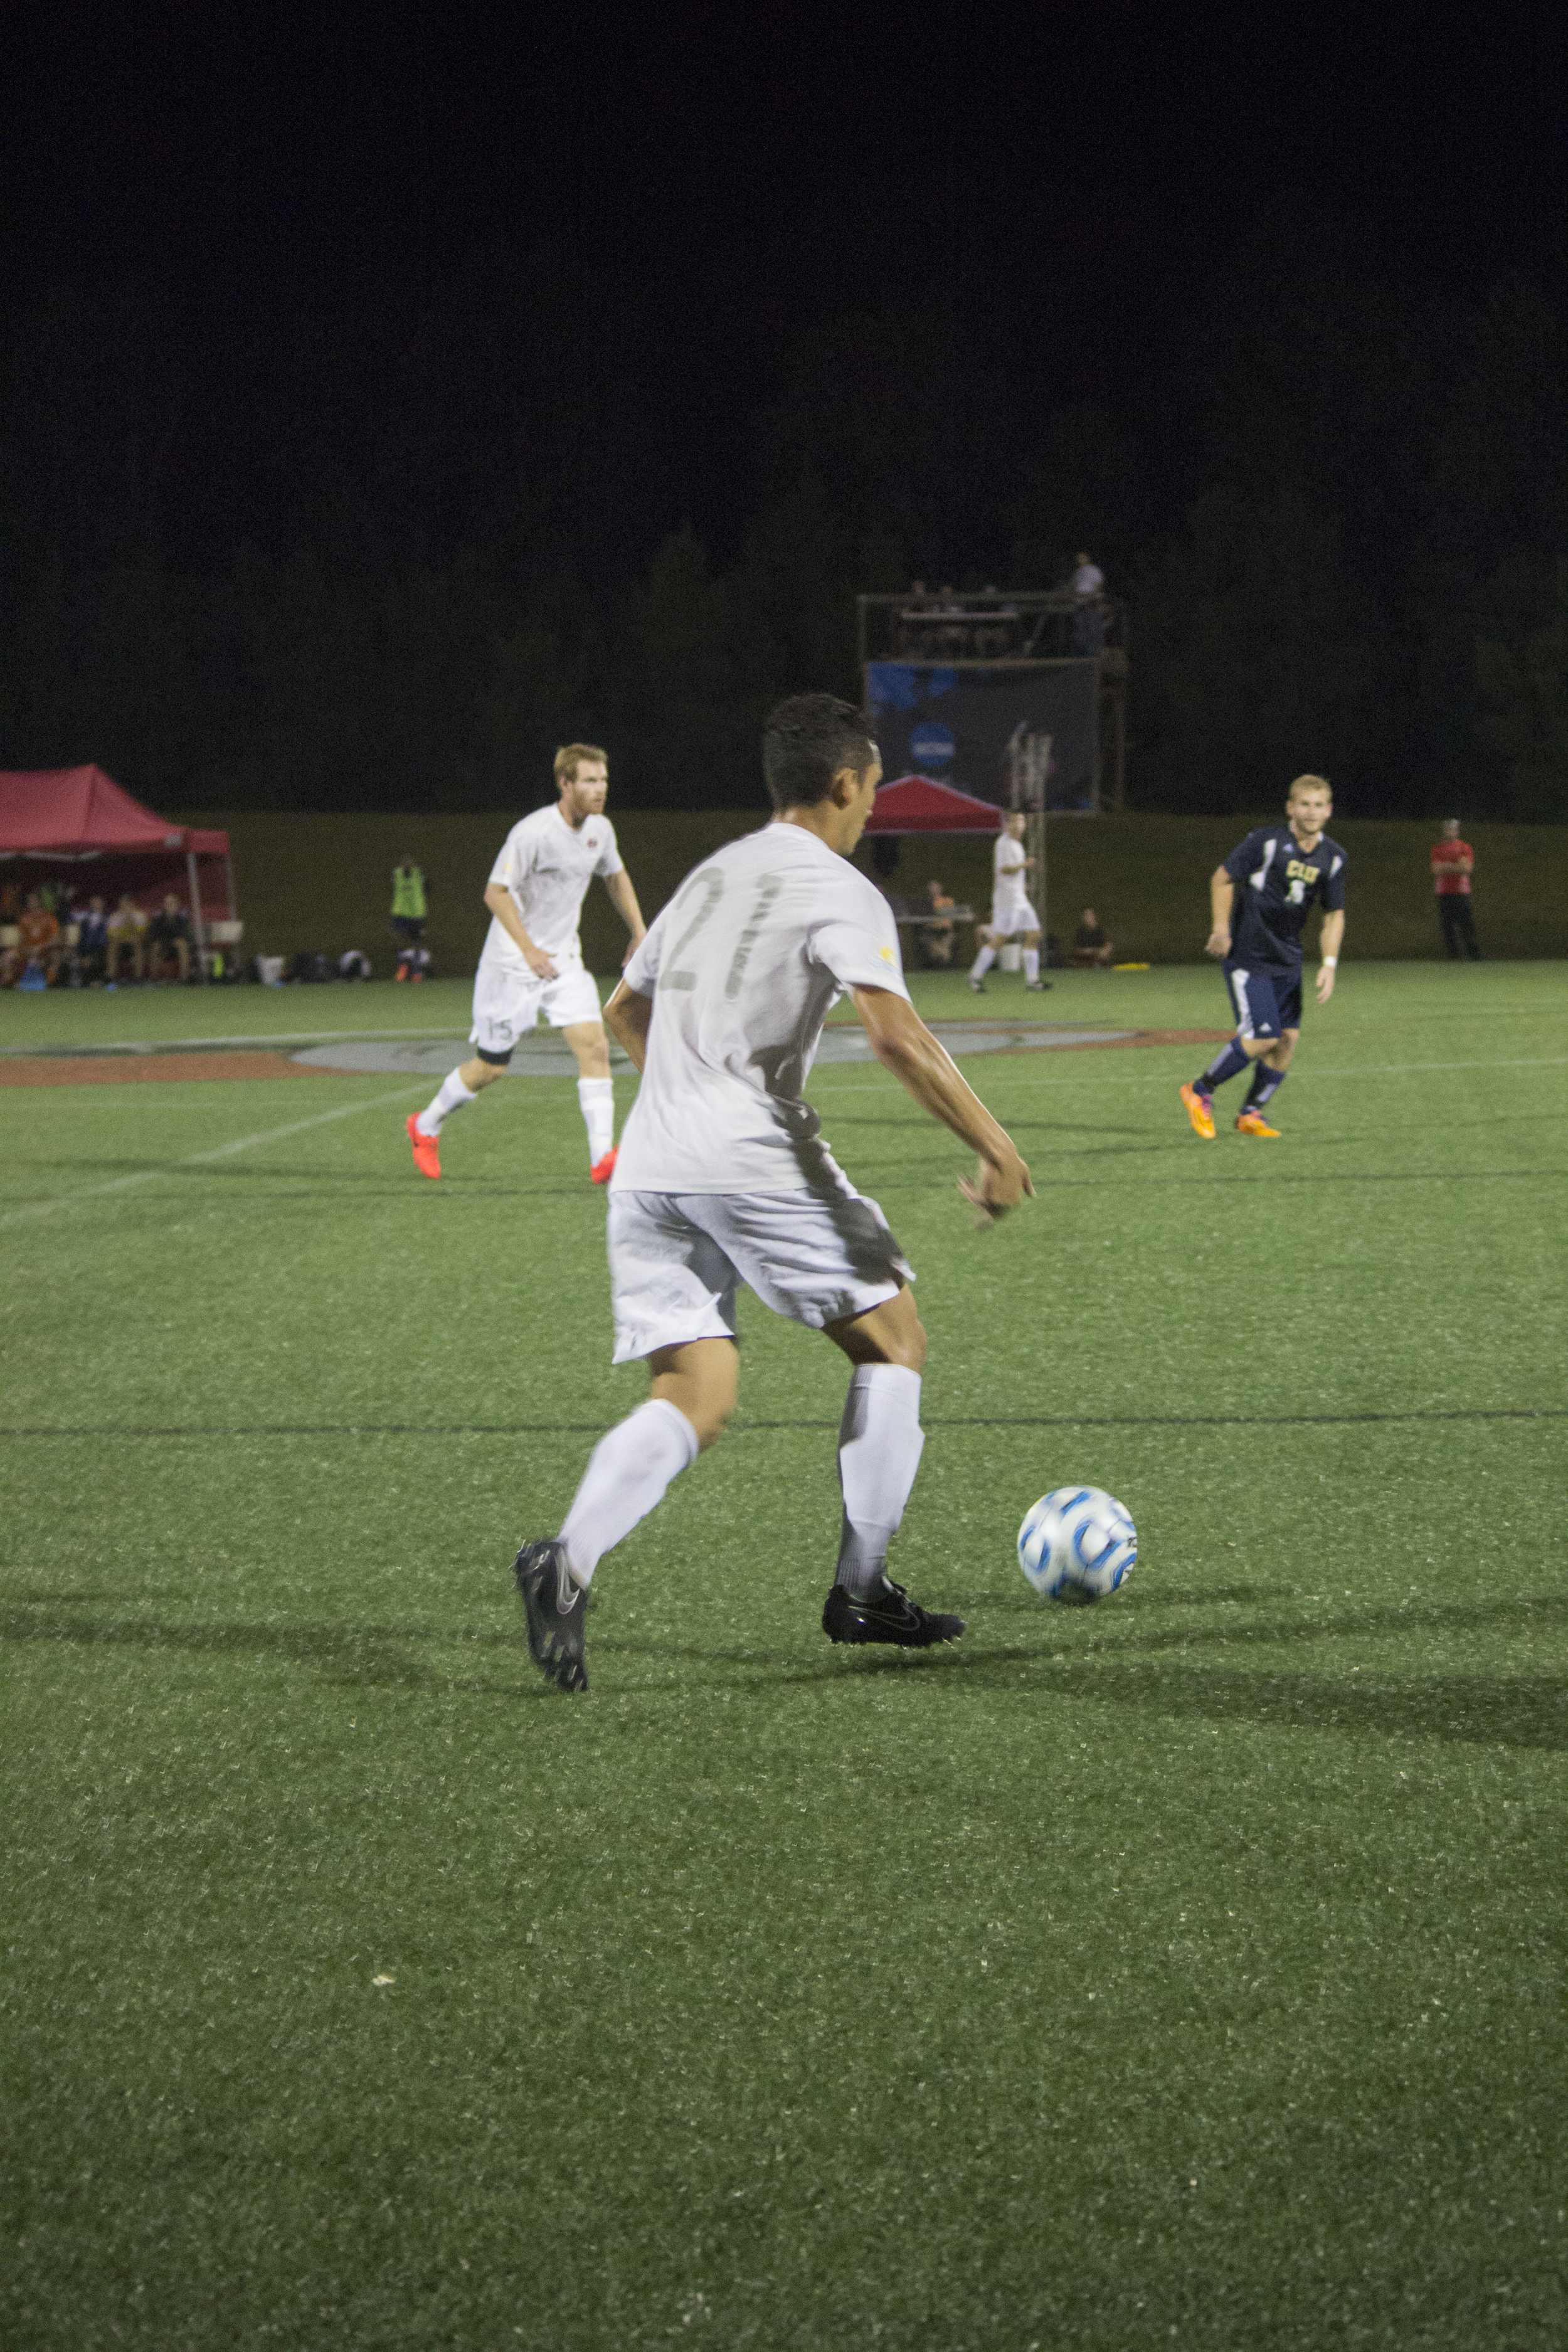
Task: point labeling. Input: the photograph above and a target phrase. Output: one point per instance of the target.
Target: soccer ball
(1077, 1544)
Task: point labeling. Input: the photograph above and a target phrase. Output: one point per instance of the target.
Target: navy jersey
(1278, 885)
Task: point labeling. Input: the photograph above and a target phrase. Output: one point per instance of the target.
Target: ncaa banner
(955, 723)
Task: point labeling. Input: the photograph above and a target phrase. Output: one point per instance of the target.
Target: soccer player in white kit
(723, 1178)
(1012, 917)
(532, 958)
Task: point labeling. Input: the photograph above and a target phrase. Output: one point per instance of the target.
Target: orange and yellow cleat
(426, 1150)
(603, 1170)
(1200, 1110)
(1252, 1123)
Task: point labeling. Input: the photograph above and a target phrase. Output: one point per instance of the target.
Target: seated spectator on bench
(39, 943)
(1089, 945)
(91, 951)
(938, 939)
(169, 934)
(127, 928)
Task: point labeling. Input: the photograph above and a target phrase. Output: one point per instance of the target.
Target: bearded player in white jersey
(532, 958)
(723, 1178)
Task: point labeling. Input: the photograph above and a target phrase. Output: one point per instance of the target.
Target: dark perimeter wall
(324, 882)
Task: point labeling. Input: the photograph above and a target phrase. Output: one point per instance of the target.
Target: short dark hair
(805, 741)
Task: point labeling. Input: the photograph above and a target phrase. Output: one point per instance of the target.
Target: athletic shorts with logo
(1266, 1003)
(506, 1005)
(1012, 916)
(677, 1260)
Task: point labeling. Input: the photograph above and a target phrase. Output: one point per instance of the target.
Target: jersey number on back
(768, 889)
(712, 882)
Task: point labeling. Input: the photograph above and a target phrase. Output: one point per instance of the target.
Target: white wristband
(1329, 962)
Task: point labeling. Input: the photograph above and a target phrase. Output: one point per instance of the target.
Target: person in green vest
(409, 904)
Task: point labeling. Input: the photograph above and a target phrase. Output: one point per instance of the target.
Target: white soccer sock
(452, 1094)
(597, 1097)
(628, 1473)
(983, 964)
(879, 1444)
(1031, 963)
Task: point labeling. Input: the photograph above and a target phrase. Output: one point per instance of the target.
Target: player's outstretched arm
(503, 907)
(924, 1068)
(627, 1015)
(1329, 947)
(1222, 901)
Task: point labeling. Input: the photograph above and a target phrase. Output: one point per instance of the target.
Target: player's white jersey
(547, 864)
(1007, 890)
(743, 965)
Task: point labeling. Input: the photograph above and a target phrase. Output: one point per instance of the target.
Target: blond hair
(570, 757)
(1311, 784)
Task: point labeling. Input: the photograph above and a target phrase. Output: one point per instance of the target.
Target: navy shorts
(1266, 1003)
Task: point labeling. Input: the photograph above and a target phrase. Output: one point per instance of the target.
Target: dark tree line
(390, 552)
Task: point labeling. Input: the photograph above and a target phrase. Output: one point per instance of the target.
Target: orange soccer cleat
(1252, 1123)
(426, 1150)
(1200, 1110)
(603, 1170)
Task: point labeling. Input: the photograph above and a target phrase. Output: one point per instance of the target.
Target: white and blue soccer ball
(1076, 1543)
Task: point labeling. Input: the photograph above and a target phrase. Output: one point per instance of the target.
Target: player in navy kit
(1261, 898)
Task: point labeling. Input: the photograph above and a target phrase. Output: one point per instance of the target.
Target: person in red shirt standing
(1453, 863)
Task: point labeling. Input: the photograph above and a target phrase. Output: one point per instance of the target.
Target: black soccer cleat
(888, 1615)
(555, 1604)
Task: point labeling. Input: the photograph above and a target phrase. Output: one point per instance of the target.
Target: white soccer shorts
(507, 1006)
(677, 1259)
(1009, 920)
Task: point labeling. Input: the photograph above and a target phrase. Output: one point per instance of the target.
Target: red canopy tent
(920, 804)
(79, 816)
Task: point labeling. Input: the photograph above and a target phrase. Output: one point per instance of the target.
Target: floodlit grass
(1179, 1971)
(165, 1015)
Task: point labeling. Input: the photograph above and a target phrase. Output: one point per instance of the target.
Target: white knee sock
(597, 1097)
(1031, 963)
(628, 1473)
(451, 1096)
(983, 964)
(879, 1444)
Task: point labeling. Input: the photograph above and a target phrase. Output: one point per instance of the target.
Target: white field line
(122, 1184)
(1400, 1070)
(59, 1098)
(236, 1042)
(129, 1099)
(1148, 1078)
(106, 1099)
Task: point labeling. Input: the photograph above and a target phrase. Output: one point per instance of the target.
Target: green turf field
(1180, 1971)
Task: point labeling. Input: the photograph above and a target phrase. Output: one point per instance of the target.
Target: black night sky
(385, 400)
